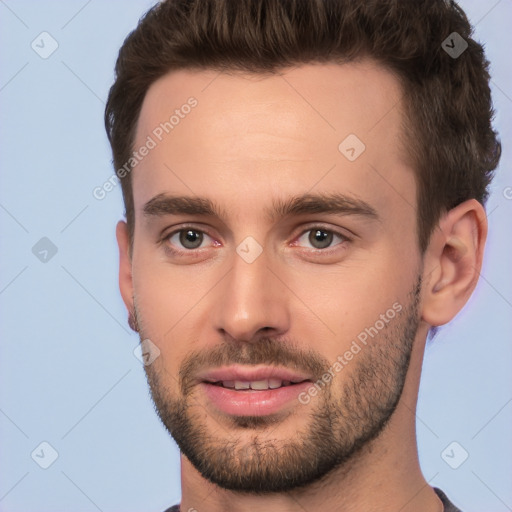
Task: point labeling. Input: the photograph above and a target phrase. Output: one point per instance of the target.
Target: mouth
(253, 398)
(256, 385)
(249, 391)
(242, 377)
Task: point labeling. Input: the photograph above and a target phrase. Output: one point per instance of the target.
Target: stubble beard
(246, 457)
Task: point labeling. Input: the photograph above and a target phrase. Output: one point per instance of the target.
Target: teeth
(274, 383)
(259, 384)
(256, 384)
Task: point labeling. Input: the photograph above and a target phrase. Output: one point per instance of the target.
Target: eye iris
(320, 238)
(192, 237)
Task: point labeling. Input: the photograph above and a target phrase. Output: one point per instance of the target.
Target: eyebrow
(335, 203)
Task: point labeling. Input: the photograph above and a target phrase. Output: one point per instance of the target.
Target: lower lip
(252, 402)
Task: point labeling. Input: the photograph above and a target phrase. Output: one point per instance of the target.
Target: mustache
(265, 350)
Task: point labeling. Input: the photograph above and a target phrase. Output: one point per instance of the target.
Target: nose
(251, 301)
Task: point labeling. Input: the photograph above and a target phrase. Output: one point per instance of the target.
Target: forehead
(260, 134)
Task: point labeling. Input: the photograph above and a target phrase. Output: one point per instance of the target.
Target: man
(304, 186)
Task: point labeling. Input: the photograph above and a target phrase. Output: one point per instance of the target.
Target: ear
(453, 261)
(125, 265)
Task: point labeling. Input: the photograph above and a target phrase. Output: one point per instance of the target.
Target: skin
(250, 140)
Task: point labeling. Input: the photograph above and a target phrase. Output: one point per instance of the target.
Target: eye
(188, 238)
(320, 238)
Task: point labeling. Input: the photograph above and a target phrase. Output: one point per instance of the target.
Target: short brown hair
(449, 135)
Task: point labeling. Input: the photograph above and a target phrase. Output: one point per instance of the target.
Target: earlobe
(453, 262)
(125, 268)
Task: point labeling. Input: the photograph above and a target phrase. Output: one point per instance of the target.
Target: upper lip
(251, 374)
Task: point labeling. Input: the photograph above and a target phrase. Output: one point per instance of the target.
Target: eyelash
(198, 251)
(330, 249)
(182, 252)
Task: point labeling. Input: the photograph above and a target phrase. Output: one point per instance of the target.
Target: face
(273, 253)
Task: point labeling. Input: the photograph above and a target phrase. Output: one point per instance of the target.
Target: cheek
(338, 304)
(154, 302)
(161, 292)
(171, 303)
(159, 304)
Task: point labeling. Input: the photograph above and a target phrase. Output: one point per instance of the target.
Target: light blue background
(68, 375)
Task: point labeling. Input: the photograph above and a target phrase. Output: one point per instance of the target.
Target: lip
(249, 374)
(252, 402)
